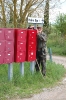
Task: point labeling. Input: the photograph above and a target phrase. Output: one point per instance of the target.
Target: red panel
(9, 57)
(32, 35)
(31, 56)
(9, 46)
(9, 34)
(21, 34)
(20, 56)
(1, 57)
(2, 45)
(21, 46)
(2, 36)
(32, 45)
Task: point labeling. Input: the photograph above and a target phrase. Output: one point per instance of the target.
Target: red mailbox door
(2, 36)
(9, 34)
(2, 45)
(9, 57)
(1, 57)
(20, 56)
(21, 34)
(21, 46)
(9, 46)
(31, 56)
(32, 35)
(32, 45)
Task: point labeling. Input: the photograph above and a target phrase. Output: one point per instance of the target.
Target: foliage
(29, 83)
(57, 43)
(60, 24)
(17, 11)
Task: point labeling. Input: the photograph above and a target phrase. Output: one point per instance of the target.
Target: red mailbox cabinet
(20, 45)
(9, 34)
(21, 55)
(1, 57)
(31, 45)
(2, 34)
(6, 45)
(9, 47)
(2, 45)
(31, 34)
(9, 57)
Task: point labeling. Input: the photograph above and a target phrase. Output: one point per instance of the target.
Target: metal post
(10, 71)
(50, 54)
(35, 25)
(22, 68)
(32, 66)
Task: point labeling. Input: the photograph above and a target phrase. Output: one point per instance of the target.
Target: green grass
(25, 86)
(57, 44)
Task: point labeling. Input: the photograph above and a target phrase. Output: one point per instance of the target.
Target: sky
(58, 10)
(63, 7)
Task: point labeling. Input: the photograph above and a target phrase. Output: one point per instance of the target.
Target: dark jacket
(41, 40)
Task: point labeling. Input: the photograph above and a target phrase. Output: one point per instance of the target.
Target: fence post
(32, 66)
(22, 68)
(10, 71)
(50, 54)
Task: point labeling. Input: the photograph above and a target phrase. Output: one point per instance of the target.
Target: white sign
(35, 20)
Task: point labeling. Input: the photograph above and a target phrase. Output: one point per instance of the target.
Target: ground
(55, 93)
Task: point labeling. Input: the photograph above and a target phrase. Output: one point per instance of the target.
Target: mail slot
(9, 57)
(21, 46)
(31, 45)
(20, 56)
(9, 34)
(32, 34)
(9, 46)
(2, 45)
(31, 56)
(21, 34)
(1, 57)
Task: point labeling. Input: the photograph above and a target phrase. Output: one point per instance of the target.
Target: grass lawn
(29, 83)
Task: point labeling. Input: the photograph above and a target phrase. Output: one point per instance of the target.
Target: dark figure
(41, 50)
(31, 27)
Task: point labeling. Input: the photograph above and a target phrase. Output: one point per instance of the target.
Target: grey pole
(35, 25)
(32, 66)
(10, 71)
(22, 68)
(50, 54)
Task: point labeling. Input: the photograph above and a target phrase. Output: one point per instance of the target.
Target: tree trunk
(15, 17)
(3, 14)
(46, 17)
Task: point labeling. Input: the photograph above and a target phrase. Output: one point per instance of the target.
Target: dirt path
(56, 93)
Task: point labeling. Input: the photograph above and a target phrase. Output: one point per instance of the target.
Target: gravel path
(56, 93)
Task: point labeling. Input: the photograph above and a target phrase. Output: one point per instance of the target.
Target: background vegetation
(57, 37)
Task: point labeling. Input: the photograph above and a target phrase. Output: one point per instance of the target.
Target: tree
(46, 17)
(20, 10)
(61, 24)
(2, 2)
